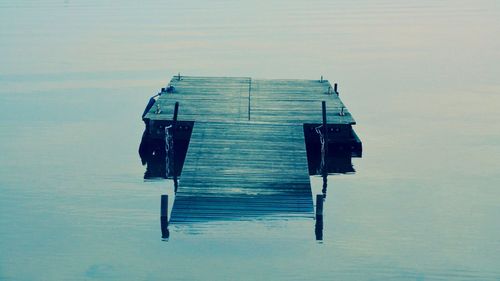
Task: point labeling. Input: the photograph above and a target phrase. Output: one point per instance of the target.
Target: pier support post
(174, 128)
(318, 228)
(165, 233)
(325, 137)
(324, 154)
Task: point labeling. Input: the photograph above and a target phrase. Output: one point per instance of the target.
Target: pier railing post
(176, 111)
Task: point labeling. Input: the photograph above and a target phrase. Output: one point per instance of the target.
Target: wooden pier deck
(243, 170)
(245, 99)
(247, 151)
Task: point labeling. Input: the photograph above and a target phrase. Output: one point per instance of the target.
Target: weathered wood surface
(241, 99)
(205, 99)
(243, 170)
(295, 101)
(247, 157)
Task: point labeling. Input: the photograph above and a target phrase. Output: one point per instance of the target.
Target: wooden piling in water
(174, 128)
(165, 233)
(325, 136)
(318, 227)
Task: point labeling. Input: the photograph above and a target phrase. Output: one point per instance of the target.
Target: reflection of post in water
(318, 228)
(165, 233)
(325, 185)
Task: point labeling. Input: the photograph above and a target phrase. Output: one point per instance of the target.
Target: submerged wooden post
(318, 228)
(165, 233)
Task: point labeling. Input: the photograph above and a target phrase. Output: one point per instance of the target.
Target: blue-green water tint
(421, 78)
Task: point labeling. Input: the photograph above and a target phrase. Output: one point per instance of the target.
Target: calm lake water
(420, 77)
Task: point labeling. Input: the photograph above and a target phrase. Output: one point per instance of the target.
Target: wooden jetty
(242, 145)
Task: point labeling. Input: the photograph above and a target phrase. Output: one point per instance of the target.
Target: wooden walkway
(243, 171)
(244, 99)
(247, 156)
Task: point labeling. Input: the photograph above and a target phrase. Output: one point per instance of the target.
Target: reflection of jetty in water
(244, 149)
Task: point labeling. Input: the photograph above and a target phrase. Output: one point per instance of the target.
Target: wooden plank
(205, 98)
(295, 101)
(273, 101)
(245, 177)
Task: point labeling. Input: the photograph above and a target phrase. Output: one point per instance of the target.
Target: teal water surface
(420, 77)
